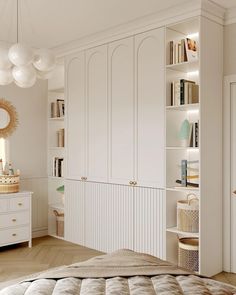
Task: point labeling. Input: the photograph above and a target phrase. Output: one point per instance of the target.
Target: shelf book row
(58, 108)
(184, 92)
(61, 137)
(58, 167)
(194, 135)
(184, 50)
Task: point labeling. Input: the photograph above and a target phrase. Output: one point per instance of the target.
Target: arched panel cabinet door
(121, 111)
(75, 119)
(97, 114)
(150, 94)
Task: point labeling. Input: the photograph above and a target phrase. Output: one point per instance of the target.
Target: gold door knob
(14, 220)
(85, 178)
(135, 183)
(14, 235)
(20, 204)
(131, 183)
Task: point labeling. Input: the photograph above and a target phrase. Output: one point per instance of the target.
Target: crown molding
(230, 16)
(174, 14)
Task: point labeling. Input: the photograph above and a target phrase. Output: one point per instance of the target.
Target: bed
(120, 273)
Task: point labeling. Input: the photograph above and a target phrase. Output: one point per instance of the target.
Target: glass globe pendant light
(22, 64)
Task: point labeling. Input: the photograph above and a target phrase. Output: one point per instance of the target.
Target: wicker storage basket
(188, 253)
(59, 223)
(9, 184)
(188, 214)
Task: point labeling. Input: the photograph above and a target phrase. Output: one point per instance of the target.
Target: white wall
(229, 49)
(28, 144)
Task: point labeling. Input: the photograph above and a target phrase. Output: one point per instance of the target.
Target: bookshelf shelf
(56, 119)
(183, 189)
(57, 148)
(182, 148)
(174, 230)
(58, 206)
(184, 107)
(184, 67)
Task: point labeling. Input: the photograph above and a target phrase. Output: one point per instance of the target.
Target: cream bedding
(120, 273)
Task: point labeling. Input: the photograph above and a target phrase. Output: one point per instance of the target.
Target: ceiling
(50, 23)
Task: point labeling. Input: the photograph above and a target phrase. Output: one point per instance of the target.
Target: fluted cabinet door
(74, 211)
(121, 110)
(97, 114)
(150, 95)
(75, 117)
(149, 221)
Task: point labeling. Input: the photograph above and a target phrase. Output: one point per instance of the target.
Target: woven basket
(188, 214)
(59, 223)
(188, 254)
(9, 184)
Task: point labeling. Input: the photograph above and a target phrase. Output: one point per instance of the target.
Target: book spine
(181, 91)
(196, 134)
(179, 52)
(172, 94)
(191, 137)
(186, 98)
(184, 172)
(171, 52)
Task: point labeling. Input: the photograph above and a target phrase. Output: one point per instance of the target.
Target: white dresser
(15, 218)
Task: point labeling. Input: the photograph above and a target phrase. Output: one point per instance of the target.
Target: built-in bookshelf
(56, 151)
(190, 110)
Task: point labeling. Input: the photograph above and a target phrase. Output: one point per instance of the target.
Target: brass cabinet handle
(83, 178)
(13, 219)
(135, 183)
(14, 235)
(131, 183)
(234, 192)
(20, 204)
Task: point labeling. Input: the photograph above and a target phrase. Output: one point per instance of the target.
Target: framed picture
(191, 49)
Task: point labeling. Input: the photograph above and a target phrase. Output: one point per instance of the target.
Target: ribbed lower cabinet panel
(149, 231)
(74, 211)
(108, 217)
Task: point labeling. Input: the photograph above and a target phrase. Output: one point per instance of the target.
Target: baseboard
(37, 233)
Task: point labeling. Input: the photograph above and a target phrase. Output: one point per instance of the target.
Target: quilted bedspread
(123, 272)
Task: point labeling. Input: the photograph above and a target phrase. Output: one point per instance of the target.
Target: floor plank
(47, 252)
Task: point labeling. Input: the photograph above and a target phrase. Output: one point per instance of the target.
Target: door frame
(227, 227)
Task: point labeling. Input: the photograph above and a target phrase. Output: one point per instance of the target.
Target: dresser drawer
(3, 205)
(14, 235)
(18, 204)
(14, 219)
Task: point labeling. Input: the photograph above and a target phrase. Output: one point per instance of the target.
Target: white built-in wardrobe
(120, 168)
(115, 144)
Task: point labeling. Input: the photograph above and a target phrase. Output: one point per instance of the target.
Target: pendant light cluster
(23, 64)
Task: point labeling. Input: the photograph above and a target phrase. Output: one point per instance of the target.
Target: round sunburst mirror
(8, 118)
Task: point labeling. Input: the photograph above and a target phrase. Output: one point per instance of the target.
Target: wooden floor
(47, 252)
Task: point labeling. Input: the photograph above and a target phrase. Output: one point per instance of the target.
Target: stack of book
(58, 167)
(194, 135)
(183, 50)
(189, 174)
(184, 92)
(61, 137)
(57, 108)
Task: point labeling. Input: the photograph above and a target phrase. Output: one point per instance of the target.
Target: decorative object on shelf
(61, 189)
(24, 64)
(188, 214)
(9, 182)
(59, 223)
(188, 253)
(184, 133)
(8, 118)
(187, 178)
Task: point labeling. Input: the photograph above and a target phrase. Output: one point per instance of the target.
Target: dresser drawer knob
(14, 220)
(20, 204)
(14, 235)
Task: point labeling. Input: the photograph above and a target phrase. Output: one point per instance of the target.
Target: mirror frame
(13, 118)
